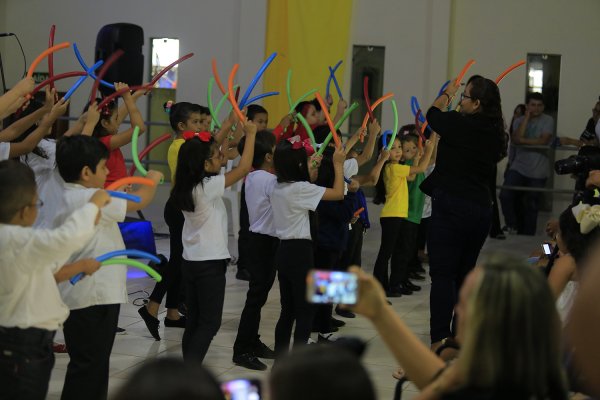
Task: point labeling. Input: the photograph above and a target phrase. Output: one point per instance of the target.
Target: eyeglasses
(464, 96)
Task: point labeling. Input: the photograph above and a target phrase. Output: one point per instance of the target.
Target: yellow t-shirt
(396, 191)
(172, 157)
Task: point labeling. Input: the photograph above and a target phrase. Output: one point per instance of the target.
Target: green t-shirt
(416, 198)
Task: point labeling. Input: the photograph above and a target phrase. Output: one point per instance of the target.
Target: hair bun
(167, 106)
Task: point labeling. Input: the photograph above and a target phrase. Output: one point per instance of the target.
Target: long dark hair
(290, 164)
(488, 94)
(190, 171)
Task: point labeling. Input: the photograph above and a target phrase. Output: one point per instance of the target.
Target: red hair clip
(298, 144)
(203, 136)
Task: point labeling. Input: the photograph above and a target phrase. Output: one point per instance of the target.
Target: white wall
(415, 36)
(230, 30)
(496, 34)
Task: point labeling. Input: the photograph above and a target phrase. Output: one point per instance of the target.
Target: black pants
(352, 254)
(457, 230)
(261, 266)
(26, 361)
(325, 259)
(244, 233)
(495, 229)
(171, 282)
(89, 336)
(395, 245)
(294, 259)
(422, 235)
(204, 296)
(412, 246)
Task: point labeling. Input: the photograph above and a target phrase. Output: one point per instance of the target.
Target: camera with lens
(586, 160)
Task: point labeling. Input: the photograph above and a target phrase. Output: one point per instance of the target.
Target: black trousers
(204, 296)
(171, 282)
(89, 336)
(457, 230)
(261, 266)
(397, 234)
(422, 235)
(244, 247)
(495, 228)
(26, 361)
(353, 253)
(325, 259)
(294, 259)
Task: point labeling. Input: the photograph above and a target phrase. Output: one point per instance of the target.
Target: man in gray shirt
(530, 166)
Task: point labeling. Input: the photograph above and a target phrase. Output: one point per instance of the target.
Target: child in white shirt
(32, 262)
(198, 192)
(94, 301)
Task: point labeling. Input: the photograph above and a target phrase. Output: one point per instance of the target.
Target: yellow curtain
(309, 36)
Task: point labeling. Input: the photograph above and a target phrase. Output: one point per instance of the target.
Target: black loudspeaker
(129, 68)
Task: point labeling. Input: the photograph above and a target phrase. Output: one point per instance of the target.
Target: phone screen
(328, 287)
(547, 248)
(241, 389)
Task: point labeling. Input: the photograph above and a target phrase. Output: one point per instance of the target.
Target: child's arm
(337, 192)
(123, 138)
(87, 266)
(123, 111)
(91, 120)
(245, 164)
(231, 151)
(367, 154)
(373, 177)
(78, 126)
(424, 162)
(43, 129)
(146, 193)
(561, 273)
(15, 97)
(341, 107)
(22, 124)
(225, 130)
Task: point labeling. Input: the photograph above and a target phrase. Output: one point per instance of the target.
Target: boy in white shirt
(94, 301)
(32, 262)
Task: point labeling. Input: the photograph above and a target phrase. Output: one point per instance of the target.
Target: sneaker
(121, 331)
(328, 337)
(175, 323)
(249, 360)
(151, 323)
(344, 313)
(337, 323)
(263, 351)
(242, 274)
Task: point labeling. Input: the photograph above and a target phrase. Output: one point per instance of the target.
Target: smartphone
(242, 389)
(329, 287)
(547, 248)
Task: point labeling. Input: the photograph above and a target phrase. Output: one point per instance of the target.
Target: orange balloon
(508, 70)
(460, 76)
(336, 138)
(217, 77)
(374, 105)
(130, 180)
(236, 107)
(43, 55)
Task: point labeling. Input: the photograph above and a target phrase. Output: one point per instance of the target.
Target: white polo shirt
(4, 150)
(29, 296)
(204, 234)
(108, 284)
(258, 189)
(290, 203)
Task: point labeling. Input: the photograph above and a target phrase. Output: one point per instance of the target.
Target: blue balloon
(332, 77)
(85, 67)
(261, 96)
(125, 196)
(109, 255)
(83, 78)
(255, 80)
(384, 138)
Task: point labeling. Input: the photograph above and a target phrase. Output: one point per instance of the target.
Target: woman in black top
(470, 144)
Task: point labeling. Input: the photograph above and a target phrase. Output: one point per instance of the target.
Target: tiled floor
(136, 345)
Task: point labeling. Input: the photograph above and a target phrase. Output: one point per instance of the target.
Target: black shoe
(182, 308)
(415, 276)
(331, 330)
(120, 331)
(344, 313)
(402, 289)
(392, 293)
(175, 323)
(263, 351)
(151, 322)
(337, 323)
(242, 274)
(412, 286)
(249, 360)
(499, 236)
(419, 269)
